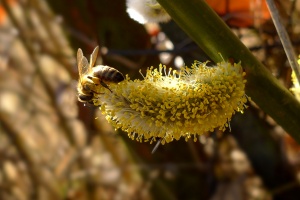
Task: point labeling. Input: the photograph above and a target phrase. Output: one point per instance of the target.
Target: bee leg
(104, 85)
(97, 80)
(96, 92)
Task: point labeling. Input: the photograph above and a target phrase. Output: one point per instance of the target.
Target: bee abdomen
(113, 75)
(109, 74)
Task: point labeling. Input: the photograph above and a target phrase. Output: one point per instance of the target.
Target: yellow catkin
(296, 86)
(169, 104)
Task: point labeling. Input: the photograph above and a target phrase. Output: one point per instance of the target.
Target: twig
(33, 171)
(32, 55)
(23, 153)
(286, 42)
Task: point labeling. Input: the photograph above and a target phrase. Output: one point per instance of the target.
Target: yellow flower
(296, 88)
(169, 104)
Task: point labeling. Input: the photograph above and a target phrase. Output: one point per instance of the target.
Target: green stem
(206, 28)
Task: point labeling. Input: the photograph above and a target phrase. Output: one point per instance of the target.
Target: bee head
(86, 85)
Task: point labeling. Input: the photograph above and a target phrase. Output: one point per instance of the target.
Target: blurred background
(54, 147)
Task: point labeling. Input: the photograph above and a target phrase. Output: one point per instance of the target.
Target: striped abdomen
(107, 74)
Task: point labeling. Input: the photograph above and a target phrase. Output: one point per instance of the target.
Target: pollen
(296, 86)
(171, 104)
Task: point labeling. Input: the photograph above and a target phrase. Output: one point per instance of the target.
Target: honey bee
(91, 76)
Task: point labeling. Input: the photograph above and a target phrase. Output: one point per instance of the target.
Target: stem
(205, 27)
(285, 40)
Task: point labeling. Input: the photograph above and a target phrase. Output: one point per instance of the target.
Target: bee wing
(93, 57)
(79, 56)
(82, 62)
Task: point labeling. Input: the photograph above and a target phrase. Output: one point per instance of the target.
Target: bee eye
(83, 97)
(86, 88)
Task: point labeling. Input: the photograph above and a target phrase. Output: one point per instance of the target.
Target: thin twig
(156, 146)
(286, 42)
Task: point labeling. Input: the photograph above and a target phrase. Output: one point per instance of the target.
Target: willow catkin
(144, 11)
(169, 104)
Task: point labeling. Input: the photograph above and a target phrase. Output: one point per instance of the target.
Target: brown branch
(33, 57)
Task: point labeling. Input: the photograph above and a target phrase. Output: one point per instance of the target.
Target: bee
(91, 76)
